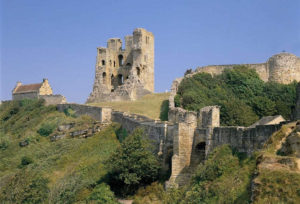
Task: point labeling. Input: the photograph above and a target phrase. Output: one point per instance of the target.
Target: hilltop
(154, 106)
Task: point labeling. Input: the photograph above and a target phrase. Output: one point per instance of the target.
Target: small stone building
(35, 91)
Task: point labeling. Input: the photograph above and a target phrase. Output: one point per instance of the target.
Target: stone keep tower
(124, 74)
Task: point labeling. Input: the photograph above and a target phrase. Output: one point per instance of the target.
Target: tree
(132, 165)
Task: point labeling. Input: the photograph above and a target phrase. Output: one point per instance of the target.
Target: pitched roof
(28, 88)
(268, 120)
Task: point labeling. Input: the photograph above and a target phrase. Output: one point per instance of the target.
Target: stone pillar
(182, 148)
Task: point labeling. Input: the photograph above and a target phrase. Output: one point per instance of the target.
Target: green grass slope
(65, 171)
(154, 106)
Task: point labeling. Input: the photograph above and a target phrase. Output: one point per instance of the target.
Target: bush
(69, 112)
(132, 165)
(223, 178)
(4, 141)
(26, 161)
(102, 194)
(46, 129)
(121, 134)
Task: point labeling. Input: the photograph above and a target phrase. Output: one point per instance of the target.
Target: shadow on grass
(164, 109)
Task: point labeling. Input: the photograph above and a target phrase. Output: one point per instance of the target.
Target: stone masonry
(124, 74)
(282, 68)
(196, 134)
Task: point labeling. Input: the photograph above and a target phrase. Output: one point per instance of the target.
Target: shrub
(223, 178)
(102, 194)
(26, 161)
(121, 134)
(132, 165)
(4, 141)
(69, 112)
(46, 129)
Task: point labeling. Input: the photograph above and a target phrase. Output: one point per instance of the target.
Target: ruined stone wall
(282, 68)
(156, 130)
(261, 69)
(197, 134)
(182, 147)
(98, 113)
(53, 99)
(209, 116)
(124, 74)
(160, 133)
(243, 139)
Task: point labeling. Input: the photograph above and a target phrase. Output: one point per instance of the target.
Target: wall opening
(128, 65)
(120, 79)
(103, 62)
(138, 71)
(200, 149)
(104, 77)
(110, 62)
(114, 63)
(112, 78)
(120, 60)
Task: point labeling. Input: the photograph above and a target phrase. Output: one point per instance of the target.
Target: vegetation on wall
(241, 94)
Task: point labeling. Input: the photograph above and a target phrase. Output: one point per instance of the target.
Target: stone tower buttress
(143, 57)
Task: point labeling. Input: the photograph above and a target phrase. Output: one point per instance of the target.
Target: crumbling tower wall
(124, 74)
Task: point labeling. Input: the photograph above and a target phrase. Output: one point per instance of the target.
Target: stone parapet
(98, 113)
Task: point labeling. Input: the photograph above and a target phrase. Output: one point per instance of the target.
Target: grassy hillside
(76, 170)
(241, 94)
(154, 106)
(66, 171)
(278, 171)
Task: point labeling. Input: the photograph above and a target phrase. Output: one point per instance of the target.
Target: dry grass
(151, 105)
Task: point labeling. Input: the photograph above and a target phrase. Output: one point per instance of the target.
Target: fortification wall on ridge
(53, 99)
(282, 68)
(98, 113)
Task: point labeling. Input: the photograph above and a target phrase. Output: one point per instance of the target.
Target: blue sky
(57, 39)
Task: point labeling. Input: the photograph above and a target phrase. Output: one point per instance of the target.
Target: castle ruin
(124, 74)
(282, 68)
